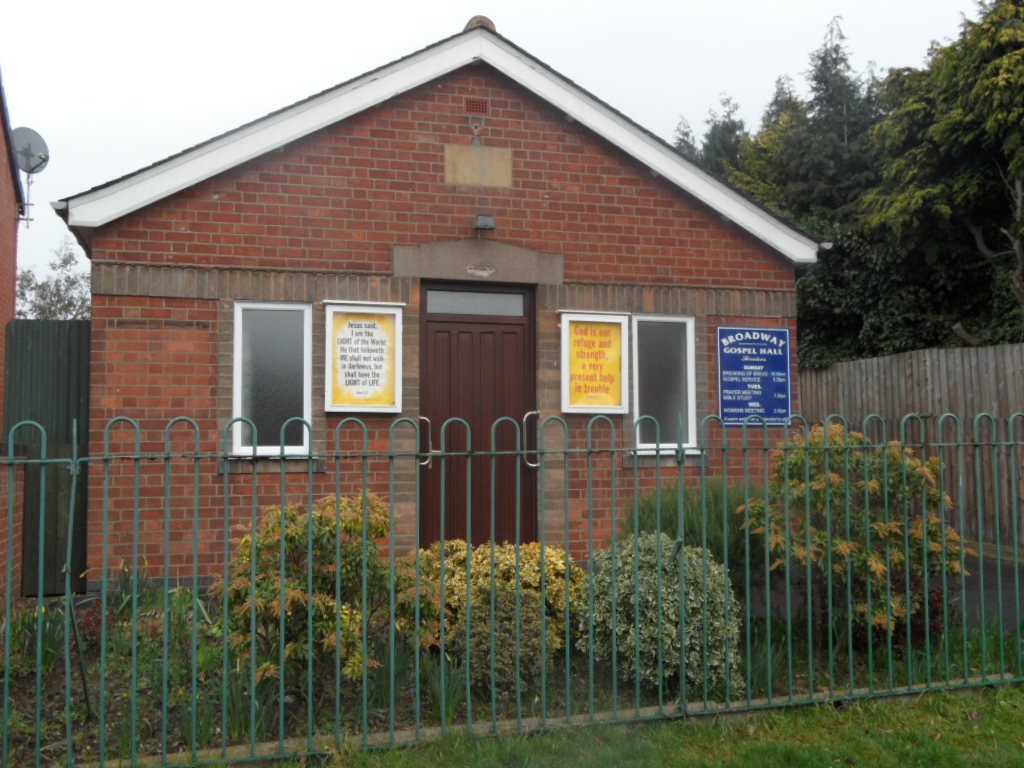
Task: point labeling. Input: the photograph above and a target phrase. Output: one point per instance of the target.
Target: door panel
(478, 369)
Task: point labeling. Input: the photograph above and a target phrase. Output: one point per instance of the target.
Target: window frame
(690, 383)
(236, 380)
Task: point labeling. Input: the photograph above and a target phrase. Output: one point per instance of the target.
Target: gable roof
(94, 208)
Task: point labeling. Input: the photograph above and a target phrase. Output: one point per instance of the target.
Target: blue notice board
(753, 374)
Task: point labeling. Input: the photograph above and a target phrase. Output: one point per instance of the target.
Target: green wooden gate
(47, 381)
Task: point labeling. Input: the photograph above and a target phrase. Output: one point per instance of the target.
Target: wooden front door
(477, 364)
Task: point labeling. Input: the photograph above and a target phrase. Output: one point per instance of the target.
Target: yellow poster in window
(363, 352)
(595, 365)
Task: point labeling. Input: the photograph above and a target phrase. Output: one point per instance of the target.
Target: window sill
(266, 465)
(651, 457)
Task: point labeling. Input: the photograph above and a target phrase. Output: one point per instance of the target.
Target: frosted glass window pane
(661, 378)
(272, 374)
(475, 303)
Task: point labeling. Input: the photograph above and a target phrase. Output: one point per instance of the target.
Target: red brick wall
(11, 525)
(8, 251)
(153, 360)
(341, 199)
(337, 203)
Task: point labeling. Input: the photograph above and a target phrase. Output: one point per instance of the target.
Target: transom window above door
(445, 302)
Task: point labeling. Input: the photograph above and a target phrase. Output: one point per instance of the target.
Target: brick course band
(113, 279)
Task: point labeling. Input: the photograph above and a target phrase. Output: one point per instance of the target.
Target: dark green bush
(709, 519)
(643, 611)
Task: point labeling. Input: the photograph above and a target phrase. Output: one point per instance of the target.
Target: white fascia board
(93, 209)
(653, 153)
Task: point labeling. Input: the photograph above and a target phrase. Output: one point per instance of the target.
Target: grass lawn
(976, 728)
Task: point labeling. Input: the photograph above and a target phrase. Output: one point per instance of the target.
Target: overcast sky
(114, 86)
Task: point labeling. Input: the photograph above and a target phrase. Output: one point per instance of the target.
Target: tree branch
(1018, 197)
(979, 241)
(966, 336)
(1017, 276)
(992, 257)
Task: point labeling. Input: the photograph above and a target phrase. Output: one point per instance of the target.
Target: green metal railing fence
(245, 608)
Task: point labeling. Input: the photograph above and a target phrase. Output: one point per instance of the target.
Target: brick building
(11, 207)
(461, 233)
(11, 203)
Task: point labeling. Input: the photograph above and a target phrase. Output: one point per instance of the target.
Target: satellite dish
(31, 155)
(30, 150)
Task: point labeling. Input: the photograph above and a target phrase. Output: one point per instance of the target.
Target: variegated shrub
(869, 519)
(663, 604)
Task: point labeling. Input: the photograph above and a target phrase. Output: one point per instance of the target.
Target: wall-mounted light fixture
(484, 223)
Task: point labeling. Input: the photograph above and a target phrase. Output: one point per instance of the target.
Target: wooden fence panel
(983, 476)
(965, 381)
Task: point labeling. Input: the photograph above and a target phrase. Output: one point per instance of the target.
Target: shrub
(637, 618)
(423, 593)
(515, 647)
(494, 573)
(311, 539)
(708, 521)
(871, 515)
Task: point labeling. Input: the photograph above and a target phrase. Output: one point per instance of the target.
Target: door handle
(526, 416)
(430, 445)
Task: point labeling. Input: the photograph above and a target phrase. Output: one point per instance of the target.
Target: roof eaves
(12, 161)
(673, 155)
(655, 153)
(112, 200)
(276, 113)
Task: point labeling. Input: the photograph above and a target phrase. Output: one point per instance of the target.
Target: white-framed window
(272, 376)
(664, 381)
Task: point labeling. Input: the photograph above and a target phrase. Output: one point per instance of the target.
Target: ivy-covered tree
(954, 148)
(870, 296)
(915, 182)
